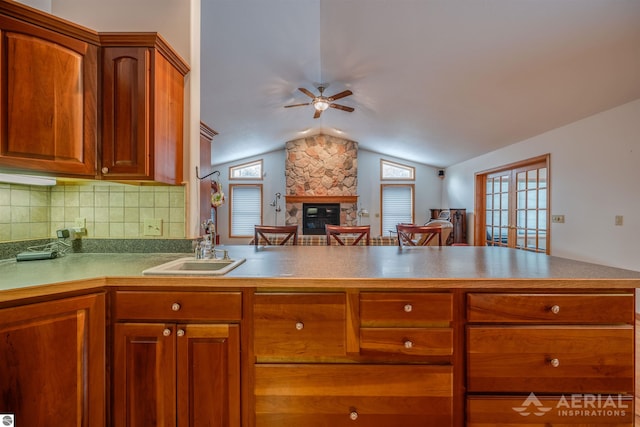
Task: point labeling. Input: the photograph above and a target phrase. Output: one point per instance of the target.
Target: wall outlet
(557, 219)
(153, 227)
(80, 223)
(619, 220)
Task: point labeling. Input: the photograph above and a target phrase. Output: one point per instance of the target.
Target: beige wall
(111, 210)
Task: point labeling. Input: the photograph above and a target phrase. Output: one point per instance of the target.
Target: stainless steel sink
(194, 267)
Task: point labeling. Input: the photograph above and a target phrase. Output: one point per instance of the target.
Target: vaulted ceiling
(433, 81)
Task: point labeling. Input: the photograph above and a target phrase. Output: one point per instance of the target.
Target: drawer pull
(554, 362)
(353, 415)
(555, 309)
(408, 308)
(408, 344)
(175, 306)
(180, 332)
(166, 332)
(299, 326)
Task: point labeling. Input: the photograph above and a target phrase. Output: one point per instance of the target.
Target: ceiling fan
(321, 102)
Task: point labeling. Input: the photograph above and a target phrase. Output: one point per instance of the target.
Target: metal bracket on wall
(206, 176)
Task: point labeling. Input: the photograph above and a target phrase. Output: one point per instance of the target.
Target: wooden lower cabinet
(52, 369)
(319, 395)
(572, 410)
(171, 375)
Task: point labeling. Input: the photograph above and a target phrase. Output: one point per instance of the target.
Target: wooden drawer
(580, 410)
(550, 308)
(299, 325)
(413, 341)
(405, 309)
(178, 306)
(594, 359)
(350, 395)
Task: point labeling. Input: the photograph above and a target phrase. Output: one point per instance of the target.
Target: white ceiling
(434, 81)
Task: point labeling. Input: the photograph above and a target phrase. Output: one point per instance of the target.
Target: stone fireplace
(321, 169)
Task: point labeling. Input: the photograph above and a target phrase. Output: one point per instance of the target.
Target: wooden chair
(289, 231)
(359, 232)
(418, 235)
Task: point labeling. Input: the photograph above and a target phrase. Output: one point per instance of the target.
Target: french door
(512, 206)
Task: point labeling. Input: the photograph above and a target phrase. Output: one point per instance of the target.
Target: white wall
(428, 188)
(273, 182)
(595, 175)
(44, 5)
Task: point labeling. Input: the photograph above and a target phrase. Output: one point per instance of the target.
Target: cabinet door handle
(166, 332)
(105, 170)
(554, 362)
(299, 326)
(408, 344)
(353, 415)
(555, 309)
(408, 308)
(175, 306)
(180, 332)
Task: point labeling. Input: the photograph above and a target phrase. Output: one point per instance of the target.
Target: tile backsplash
(110, 210)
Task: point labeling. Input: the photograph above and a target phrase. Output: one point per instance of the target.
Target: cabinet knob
(408, 344)
(175, 306)
(180, 332)
(105, 170)
(166, 332)
(554, 362)
(299, 326)
(408, 308)
(555, 309)
(353, 415)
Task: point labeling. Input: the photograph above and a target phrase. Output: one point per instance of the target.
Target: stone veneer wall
(321, 165)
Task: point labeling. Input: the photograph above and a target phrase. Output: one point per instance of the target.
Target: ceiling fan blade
(296, 105)
(317, 114)
(341, 107)
(340, 95)
(306, 92)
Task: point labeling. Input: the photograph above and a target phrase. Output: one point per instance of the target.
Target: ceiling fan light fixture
(320, 104)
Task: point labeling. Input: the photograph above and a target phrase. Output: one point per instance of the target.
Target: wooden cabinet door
(52, 369)
(144, 375)
(142, 121)
(208, 375)
(48, 111)
(126, 109)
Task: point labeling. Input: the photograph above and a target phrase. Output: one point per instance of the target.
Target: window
(251, 170)
(515, 205)
(391, 170)
(245, 209)
(397, 206)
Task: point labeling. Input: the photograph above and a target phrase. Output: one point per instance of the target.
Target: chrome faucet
(206, 247)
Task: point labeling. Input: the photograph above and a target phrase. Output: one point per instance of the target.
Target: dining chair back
(418, 235)
(358, 231)
(287, 232)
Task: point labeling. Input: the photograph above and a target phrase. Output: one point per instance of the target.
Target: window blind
(397, 207)
(246, 212)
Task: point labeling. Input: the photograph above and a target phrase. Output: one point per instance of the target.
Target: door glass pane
(542, 178)
(522, 180)
(532, 179)
(542, 198)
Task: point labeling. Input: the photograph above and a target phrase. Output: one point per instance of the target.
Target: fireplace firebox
(316, 215)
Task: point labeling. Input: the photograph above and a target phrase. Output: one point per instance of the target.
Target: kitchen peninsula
(315, 336)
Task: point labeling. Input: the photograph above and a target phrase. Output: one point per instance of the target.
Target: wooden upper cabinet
(48, 94)
(143, 108)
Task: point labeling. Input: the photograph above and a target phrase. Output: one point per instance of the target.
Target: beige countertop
(466, 266)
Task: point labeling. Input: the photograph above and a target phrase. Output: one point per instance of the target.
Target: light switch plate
(557, 218)
(153, 227)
